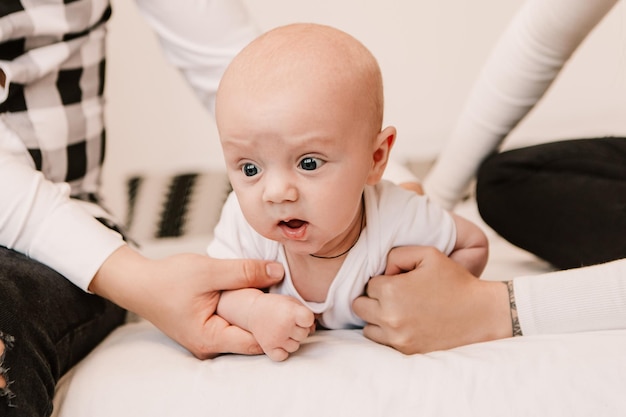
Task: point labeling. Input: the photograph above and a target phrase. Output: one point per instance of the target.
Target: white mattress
(137, 371)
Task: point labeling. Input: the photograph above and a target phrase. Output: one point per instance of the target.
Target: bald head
(313, 55)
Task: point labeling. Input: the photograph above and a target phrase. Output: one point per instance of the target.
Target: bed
(137, 371)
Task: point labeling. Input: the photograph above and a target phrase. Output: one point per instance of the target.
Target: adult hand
(179, 295)
(426, 302)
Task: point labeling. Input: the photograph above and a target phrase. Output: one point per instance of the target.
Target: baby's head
(299, 113)
(306, 62)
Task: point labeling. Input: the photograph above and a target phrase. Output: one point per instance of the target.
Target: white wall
(429, 51)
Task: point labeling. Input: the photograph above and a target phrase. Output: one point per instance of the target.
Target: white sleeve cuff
(38, 219)
(75, 244)
(575, 300)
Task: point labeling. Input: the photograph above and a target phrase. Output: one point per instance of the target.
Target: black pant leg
(50, 325)
(563, 201)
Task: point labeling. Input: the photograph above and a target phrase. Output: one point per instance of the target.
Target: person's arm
(472, 247)
(38, 218)
(524, 63)
(428, 302)
(200, 38)
(571, 301)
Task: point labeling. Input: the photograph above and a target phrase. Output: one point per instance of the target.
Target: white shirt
(395, 217)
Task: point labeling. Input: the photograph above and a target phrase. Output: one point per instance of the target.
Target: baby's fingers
(300, 333)
(277, 354)
(304, 317)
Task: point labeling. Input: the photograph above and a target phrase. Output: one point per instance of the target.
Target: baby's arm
(472, 247)
(278, 322)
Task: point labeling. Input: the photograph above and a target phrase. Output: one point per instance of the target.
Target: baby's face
(298, 156)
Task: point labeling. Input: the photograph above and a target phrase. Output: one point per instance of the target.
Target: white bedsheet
(138, 371)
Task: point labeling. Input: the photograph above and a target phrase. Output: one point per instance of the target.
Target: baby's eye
(309, 163)
(249, 169)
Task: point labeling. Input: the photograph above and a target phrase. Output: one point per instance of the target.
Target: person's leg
(563, 201)
(46, 326)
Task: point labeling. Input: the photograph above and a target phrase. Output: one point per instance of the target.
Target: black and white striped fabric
(52, 53)
(164, 206)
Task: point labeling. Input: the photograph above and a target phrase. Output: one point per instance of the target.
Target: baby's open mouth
(293, 223)
(294, 228)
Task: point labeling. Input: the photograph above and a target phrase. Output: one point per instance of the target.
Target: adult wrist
(119, 277)
(497, 325)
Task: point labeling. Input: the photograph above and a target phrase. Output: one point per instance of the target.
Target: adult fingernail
(274, 270)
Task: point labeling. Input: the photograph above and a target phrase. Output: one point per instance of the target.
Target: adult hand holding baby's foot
(280, 323)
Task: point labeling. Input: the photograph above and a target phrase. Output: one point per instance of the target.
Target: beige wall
(429, 51)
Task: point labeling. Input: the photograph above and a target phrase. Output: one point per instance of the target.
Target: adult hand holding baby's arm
(278, 322)
(426, 302)
(179, 295)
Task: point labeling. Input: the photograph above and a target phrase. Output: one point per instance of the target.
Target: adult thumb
(246, 273)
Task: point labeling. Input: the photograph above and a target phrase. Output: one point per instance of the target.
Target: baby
(299, 113)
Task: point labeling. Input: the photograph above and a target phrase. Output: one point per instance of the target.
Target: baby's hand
(279, 323)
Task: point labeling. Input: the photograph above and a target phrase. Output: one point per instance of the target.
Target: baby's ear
(384, 142)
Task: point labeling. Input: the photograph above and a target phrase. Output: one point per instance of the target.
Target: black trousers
(563, 201)
(48, 325)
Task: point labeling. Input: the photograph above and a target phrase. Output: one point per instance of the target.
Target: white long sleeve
(38, 218)
(575, 300)
(524, 63)
(200, 38)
